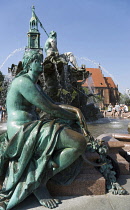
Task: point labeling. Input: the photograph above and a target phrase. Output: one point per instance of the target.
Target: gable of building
(97, 78)
(99, 81)
(110, 83)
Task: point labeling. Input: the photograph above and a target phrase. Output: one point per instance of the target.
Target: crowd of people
(2, 113)
(117, 109)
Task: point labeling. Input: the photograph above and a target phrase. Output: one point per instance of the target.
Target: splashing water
(90, 84)
(8, 78)
(11, 54)
(91, 89)
(59, 83)
(58, 76)
(97, 64)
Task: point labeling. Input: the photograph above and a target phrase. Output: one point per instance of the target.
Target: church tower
(33, 34)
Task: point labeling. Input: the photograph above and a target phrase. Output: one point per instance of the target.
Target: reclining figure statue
(34, 150)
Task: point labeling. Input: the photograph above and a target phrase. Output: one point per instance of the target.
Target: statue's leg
(69, 147)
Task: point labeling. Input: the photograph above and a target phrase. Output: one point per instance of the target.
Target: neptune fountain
(50, 144)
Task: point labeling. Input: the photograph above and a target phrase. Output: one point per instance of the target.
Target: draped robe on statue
(25, 157)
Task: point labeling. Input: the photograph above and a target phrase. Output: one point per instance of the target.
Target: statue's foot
(45, 198)
(2, 206)
(49, 203)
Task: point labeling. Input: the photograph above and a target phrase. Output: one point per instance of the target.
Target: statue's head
(53, 34)
(30, 56)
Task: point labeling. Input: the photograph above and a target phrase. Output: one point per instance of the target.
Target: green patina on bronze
(35, 150)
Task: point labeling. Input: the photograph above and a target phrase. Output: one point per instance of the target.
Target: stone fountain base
(90, 181)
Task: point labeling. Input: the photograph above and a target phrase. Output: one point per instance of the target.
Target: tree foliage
(1, 82)
(125, 99)
(1, 77)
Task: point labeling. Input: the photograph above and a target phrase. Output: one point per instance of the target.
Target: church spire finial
(33, 21)
(33, 11)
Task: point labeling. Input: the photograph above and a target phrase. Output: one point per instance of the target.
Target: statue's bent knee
(81, 144)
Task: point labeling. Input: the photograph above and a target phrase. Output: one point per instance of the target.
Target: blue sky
(96, 31)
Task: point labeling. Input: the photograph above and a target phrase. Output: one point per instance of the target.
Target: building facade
(104, 87)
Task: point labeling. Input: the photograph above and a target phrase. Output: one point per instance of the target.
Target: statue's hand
(82, 122)
(80, 117)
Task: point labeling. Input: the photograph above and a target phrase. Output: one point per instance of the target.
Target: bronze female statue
(34, 149)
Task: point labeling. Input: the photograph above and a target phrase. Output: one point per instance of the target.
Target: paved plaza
(100, 202)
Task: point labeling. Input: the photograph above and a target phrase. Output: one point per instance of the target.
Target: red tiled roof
(110, 83)
(97, 77)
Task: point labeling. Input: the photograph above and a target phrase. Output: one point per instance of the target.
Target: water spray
(11, 54)
(97, 64)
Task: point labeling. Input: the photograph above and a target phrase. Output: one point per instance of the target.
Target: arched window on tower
(33, 25)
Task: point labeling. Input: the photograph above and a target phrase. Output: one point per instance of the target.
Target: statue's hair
(28, 58)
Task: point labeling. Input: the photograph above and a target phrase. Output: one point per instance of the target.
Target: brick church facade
(104, 86)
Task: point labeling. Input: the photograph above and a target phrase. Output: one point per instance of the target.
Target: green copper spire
(33, 34)
(33, 21)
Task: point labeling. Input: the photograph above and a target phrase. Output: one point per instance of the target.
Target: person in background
(113, 112)
(3, 112)
(121, 110)
(125, 110)
(110, 108)
(117, 109)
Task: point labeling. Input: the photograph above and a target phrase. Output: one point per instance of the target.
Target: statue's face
(37, 66)
(52, 34)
